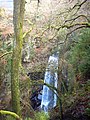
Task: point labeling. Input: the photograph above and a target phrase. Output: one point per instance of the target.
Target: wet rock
(36, 75)
(35, 101)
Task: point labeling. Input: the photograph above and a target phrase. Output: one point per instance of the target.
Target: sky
(6, 4)
(9, 3)
(47, 6)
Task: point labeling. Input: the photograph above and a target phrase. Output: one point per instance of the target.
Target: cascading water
(49, 97)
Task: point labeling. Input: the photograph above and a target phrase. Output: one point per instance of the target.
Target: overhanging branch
(79, 4)
(86, 24)
(77, 18)
(4, 112)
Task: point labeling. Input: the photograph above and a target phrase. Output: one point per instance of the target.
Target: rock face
(35, 101)
(35, 98)
(36, 75)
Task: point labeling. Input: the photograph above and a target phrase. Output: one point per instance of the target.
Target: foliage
(88, 111)
(80, 54)
(10, 118)
(5, 61)
(80, 57)
(28, 119)
(2, 12)
(41, 116)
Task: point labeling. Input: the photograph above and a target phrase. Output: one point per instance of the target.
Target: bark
(18, 15)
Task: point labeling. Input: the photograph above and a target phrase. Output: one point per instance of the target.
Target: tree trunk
(18, 15)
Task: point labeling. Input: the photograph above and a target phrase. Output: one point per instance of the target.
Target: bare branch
(79, 4)
(77, 18)
(5, 54)
(86, 24)
(26, 33)
(75, 6)
(73, 31)
(39, 36)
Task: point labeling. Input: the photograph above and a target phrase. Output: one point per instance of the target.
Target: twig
(5, 54)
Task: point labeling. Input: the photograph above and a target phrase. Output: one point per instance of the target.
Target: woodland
(29, 35)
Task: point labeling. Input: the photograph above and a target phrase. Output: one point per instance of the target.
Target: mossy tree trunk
(18, 16)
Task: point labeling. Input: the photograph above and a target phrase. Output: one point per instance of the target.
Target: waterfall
(49, 97)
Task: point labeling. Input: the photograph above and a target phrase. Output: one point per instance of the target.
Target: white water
(49, 98)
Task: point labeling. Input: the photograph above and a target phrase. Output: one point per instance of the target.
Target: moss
(3, 112)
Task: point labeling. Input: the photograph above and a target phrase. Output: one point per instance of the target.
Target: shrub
(80, 54)
(42, 116)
